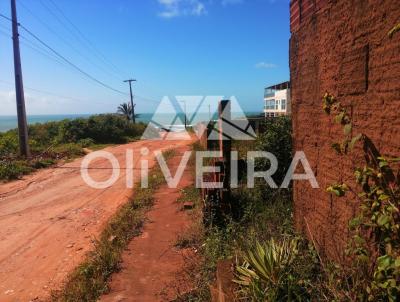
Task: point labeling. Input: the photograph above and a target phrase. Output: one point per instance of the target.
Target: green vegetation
(264, 227)
(126, 110)
(277, 139)
(266, 270)
(90, 279)
(274, 263)
(66, 139)
(375, 246)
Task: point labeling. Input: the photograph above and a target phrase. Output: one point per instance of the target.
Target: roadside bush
(64, 139)
(8, 144)
(42, 163)
(277, 139)
(44, 134)
(10, 170)
(67, 150)
(101, 129)
(85, 142)
(72, 130)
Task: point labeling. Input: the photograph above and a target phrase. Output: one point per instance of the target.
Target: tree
(126, 110)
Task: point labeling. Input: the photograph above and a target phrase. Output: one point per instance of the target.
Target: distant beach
(8, 122)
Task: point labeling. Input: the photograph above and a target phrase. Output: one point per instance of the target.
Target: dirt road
(49, 219)
(152, 263)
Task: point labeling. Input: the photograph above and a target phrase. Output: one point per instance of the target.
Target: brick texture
(341, 46)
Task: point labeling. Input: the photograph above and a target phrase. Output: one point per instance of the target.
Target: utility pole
(19, 87)
(132, 105)
(184, 104)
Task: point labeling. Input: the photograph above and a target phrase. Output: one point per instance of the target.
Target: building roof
(280, 86)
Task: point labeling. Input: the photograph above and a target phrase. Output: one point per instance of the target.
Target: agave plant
(265, 268)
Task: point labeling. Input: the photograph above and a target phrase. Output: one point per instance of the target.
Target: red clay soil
(48, 221)
(152, 262)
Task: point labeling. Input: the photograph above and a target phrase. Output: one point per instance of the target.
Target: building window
(277, 105)
(270, 104)
(283, 104)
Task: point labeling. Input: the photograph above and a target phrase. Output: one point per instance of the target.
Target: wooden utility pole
(19, 87)
(132, 105)
(225, 143)
(184, 104)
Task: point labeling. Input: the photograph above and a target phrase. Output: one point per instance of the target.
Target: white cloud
(265, 65)
(35, 104)
(229, 2)
(176, 8)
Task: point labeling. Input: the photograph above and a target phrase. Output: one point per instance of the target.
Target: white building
(277, 100)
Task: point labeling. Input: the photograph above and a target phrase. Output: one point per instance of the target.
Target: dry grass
(90, 279)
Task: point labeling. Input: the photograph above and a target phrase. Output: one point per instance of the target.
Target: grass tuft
(90, 279)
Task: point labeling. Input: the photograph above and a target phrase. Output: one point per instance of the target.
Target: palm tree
(126, 110)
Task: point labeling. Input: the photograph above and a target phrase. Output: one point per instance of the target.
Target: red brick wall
(341, 46)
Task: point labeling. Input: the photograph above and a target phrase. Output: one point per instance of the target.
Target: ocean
(10, 122)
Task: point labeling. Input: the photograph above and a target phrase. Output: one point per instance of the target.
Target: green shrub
(67, 150)
(8, 144)
(42, 163)
(44, 134)
(10, 170)
(266, 273)
(277, 139)
(101, 129)
(72, 130)
(64, 139)
(86, 142)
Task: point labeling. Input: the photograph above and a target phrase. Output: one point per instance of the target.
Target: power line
(5, 17)
(65, 59)
(45, 53)
(28, 43)
(66, 42)
(70, 63)
(136, 96)
(78, 35)
(54, 94)
(35, 47)
(99, 53)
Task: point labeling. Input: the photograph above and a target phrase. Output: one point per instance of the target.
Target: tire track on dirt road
(49, 219)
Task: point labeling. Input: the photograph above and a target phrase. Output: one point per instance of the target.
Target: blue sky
(172, 47)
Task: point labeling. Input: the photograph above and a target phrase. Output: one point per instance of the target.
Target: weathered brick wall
(341, 47)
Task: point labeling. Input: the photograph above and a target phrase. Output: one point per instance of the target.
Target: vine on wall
(375, 245)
